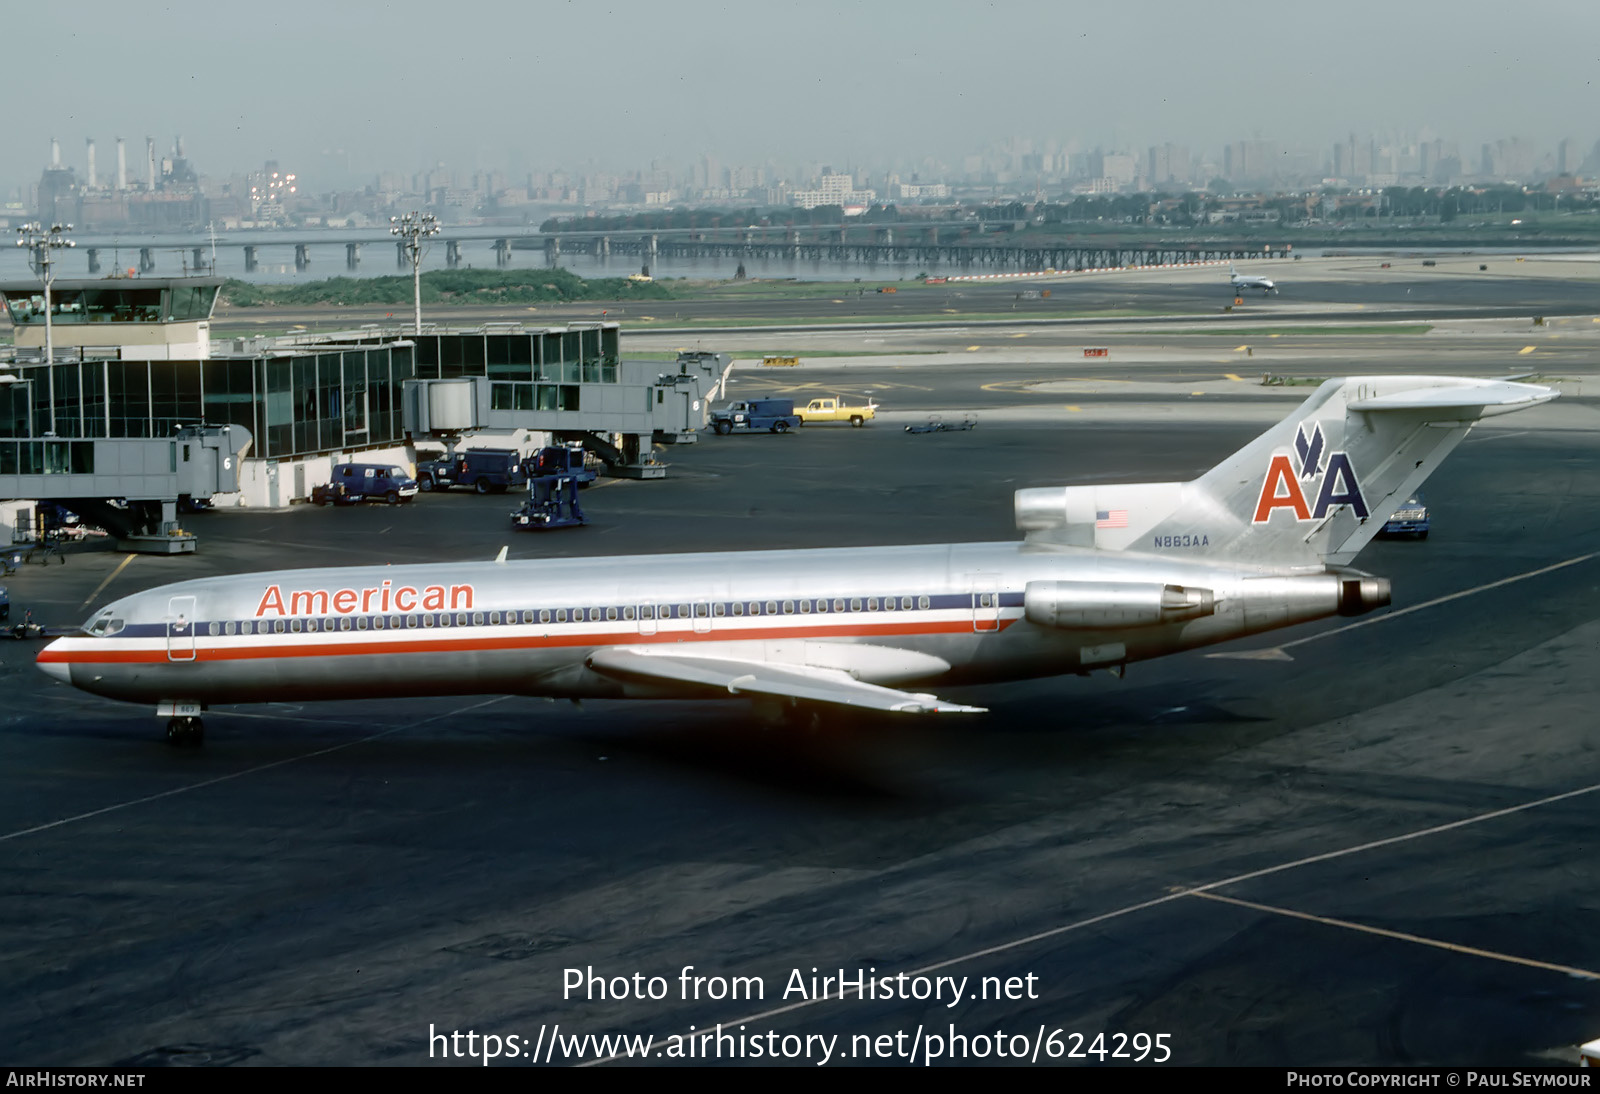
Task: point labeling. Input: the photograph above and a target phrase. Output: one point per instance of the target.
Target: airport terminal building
(135, 364)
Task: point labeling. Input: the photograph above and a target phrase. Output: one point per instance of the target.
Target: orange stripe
(354, 649)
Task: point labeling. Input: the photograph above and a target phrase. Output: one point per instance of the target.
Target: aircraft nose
(59, 670)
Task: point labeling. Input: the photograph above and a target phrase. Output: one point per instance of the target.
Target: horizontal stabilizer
(1494, 396)
(789, 681)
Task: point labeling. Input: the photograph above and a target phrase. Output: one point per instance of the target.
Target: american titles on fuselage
(1335, 484)
(384, 597)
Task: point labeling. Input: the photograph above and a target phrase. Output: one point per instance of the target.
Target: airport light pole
(41, 241)
(413, 228)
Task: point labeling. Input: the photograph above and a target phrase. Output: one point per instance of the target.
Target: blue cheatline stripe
(530, 616)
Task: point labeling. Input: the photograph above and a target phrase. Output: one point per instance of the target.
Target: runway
(1361, 845)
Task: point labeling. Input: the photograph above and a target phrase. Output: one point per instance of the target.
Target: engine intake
(1090, 605)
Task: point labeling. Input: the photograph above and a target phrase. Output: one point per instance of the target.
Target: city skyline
(492, 86)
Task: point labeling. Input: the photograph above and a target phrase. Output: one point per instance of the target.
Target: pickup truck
(837, 410)
(776, 415)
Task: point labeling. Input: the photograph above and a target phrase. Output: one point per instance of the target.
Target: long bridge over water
(960, 245)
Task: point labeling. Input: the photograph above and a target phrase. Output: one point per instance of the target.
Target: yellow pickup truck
(834, 409)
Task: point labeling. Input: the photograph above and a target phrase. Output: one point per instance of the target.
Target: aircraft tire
(186, 732)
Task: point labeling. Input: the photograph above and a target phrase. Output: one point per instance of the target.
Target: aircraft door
(985, 589)
(180, 628)
(702, 617)
(647, 619)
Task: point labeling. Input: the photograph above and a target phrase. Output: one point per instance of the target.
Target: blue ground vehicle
(1411, 519)
(558, 459)
(776, 415)
(357, 482)
(490, 469)
(552, 503)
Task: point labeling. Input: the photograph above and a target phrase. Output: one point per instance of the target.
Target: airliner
(1251, 281)
(1106, 575)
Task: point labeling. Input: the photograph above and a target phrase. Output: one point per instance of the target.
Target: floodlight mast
(413, 228)
(40, 242)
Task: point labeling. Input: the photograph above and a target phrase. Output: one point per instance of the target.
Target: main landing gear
(186, 732)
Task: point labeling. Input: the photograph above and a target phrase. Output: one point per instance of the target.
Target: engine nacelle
(1101, 604)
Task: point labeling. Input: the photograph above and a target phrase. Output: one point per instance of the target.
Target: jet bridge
(619, 420)
(132, 487)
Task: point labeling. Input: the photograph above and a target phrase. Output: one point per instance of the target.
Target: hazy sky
(549, 84)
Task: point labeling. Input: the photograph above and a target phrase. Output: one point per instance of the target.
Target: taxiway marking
(123, 565)
(19, 833)
(1401, 936)
(1173, 896)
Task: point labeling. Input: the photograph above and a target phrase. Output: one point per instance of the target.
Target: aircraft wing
(788, 681)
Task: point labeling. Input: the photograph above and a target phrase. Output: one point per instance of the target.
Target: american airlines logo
(376, 598)
(1333, 484)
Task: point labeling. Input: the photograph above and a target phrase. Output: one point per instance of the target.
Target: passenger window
(738, 607)
(295, 625)
(427, 620)
(772, 607)
(905, 602)
(627, 611)
(247, 627)
(888, 603)
(361, 624)
(611, 613)
(411, 621)
(344, 624)
(683, 611)
(477, 619)
(702, 610)
(544, 615)
(227, 628)
(719, 609)
(872, 603)
(922, 602)
(805, 607)
(855, 603)
(461, 619)
(788, 607)
(444, 619)
(278, 626)
(561, 615)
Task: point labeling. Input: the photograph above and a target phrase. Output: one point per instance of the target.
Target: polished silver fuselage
(941, 614)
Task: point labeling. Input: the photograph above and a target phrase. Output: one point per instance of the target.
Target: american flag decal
(1111, 518)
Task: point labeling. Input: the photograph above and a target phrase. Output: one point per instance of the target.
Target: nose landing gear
(186, 732)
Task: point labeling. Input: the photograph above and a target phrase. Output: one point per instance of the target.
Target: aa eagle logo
(1333, 484)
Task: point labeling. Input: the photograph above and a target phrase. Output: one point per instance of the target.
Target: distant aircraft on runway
(1251, 281)
(1107, 575)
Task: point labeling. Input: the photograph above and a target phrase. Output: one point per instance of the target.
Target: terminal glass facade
(293, 404)
(532, 370)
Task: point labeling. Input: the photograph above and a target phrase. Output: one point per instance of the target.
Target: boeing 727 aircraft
(1242, 282)
(1107, 575)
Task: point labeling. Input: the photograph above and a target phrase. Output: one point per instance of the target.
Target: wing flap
(790, 681)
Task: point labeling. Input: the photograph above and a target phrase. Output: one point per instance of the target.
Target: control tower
(147, 318)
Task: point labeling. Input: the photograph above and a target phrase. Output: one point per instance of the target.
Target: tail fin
(1310, 491)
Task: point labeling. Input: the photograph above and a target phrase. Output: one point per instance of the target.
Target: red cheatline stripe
(471, 644)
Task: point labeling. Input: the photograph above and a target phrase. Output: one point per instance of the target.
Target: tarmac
(1354, 842)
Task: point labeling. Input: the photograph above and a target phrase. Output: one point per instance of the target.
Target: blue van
(355, 482)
